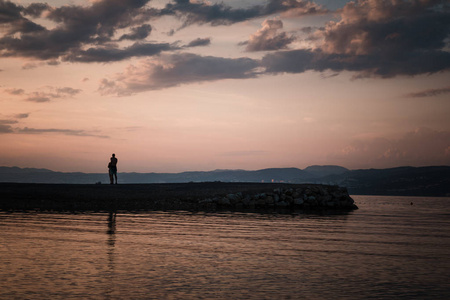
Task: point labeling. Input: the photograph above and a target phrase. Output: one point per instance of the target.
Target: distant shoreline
(432, 181)
(173, 196)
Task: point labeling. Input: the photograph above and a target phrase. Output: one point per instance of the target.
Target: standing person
(112, 166)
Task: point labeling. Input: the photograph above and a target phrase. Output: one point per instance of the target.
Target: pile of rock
(312, 197)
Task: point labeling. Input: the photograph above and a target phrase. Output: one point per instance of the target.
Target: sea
(390, 248)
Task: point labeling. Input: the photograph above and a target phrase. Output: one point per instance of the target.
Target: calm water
(387, 249)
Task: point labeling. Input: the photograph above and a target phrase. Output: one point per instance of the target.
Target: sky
(193, 85)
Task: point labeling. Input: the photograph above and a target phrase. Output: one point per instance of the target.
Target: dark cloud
(376, 38)
(412, 63)
(173, 70)
(77, 26)
(109, 54)
(85, 33)
(429, 93)
(137, 33)
(199, 42)
(388, 28)
(12, 20)
(36, 9)
(221, 14)
(268, 38)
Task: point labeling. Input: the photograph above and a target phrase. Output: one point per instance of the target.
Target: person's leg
(111, 180)
(115, 176)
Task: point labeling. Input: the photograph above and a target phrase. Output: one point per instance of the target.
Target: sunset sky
(171, 86)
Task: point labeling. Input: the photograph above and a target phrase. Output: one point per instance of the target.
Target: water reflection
(111, 243)
(112, 223)
(386, 249)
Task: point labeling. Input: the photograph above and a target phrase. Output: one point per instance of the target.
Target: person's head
(113, 155)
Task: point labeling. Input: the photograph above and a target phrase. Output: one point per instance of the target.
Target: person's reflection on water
(111, 242)
(111, 223)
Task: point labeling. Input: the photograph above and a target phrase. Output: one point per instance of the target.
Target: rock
(289, 199)
(298, 201)
(239, 206)
(276, 198)
(270, 200)
(261, 202)
(282, 204)
(234, 198)
(204, 201)
(330, 204)
(224, 201)
(311, 199)
(246, 200)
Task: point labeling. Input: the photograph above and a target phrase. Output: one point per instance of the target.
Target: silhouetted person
(112, 166)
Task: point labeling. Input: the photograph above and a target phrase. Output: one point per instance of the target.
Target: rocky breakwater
(307, 197)
(200, 196)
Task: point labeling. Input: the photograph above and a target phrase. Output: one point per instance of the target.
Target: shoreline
(204, 196)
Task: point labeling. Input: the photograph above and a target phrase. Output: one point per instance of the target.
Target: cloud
(22, 116)
(36, 9)
(410, 64)
(388, 27)
(88, 33)
(70, 132)
(5, 128)
(76, 27)
(15, 91)
(110, 54)
(45, 94)
(429, 93)
(199, 42)
(29, 66)
(176, 69)
(7, 122)
(382, 38)
(52, 93)
(202, 12)
(12, 20)
(423, 146)
(5, 125)
(137, 33)
(267, 38)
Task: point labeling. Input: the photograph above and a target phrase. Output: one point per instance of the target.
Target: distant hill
(407, 181)
(322, 171)
(27, 175)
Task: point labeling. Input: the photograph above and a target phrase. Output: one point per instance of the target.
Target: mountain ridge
(406, 181)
